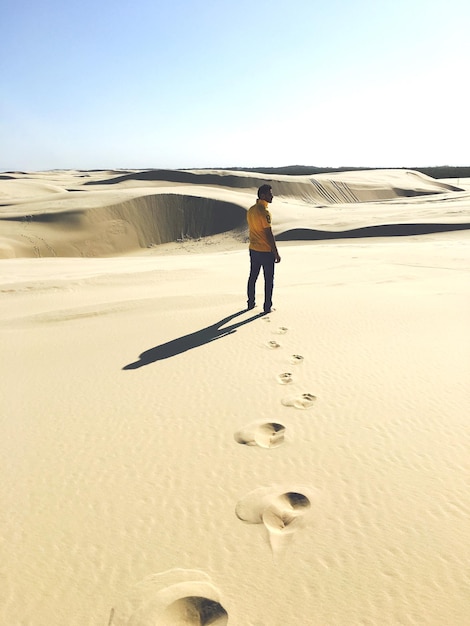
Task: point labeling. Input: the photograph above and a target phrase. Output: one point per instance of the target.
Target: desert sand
(169, 458)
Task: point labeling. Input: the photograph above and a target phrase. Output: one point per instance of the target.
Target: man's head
(265, 192)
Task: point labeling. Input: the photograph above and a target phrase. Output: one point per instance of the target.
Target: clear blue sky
(207, 83)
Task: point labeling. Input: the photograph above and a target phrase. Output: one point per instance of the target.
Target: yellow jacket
(259, 218)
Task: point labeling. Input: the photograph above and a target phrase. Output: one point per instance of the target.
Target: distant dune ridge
(106, 213)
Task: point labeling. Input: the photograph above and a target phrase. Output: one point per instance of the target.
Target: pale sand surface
(156, 471)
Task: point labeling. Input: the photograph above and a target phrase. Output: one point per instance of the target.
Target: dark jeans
(260, 260)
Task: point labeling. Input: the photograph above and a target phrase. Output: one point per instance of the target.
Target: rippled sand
(163, 465)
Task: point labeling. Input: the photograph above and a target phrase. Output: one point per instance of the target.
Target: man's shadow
(193, 340)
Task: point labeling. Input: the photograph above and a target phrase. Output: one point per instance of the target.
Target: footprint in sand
(272, 345)
(262, 434)
(285, 378)
(281, 330)
(195, 611)
(175, 598)
(296, 359)
(279, 509)
(303, 401)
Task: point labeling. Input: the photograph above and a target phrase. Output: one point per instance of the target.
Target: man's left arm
(272, 243)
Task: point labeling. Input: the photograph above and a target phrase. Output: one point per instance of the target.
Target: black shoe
(250, 307)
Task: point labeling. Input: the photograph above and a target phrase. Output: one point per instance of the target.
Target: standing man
(263, 250)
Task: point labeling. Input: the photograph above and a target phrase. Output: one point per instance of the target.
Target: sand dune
(40, 218)
(170, 458)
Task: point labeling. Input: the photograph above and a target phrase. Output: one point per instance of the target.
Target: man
(263, 250)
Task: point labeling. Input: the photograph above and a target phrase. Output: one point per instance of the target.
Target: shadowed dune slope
(140, 222)
(166, 217)
(353, 187)
(382, 230)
